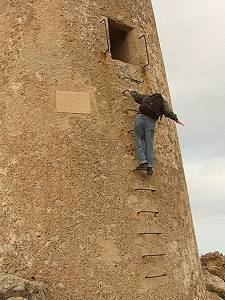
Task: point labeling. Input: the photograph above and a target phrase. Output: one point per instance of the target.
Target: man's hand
(179, 122)
(126, 92)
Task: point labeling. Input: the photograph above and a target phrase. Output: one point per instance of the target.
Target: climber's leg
(149, 135)
(139, 141)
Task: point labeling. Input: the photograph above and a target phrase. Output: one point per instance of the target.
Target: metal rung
(134, 110)
(148, 211)
(145, 189)
(142, 233)
(153, 255)
(156, 276)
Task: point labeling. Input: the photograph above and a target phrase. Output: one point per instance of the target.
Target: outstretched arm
(169, 113)
(138, 97)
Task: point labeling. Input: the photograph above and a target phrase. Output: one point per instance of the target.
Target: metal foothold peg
(153, 255)
(146, 233)
(156, 276)
(145, 189)
(148, 211)
(134, 110)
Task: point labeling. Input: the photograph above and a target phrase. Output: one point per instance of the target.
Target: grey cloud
(192, 39)
(210, 237)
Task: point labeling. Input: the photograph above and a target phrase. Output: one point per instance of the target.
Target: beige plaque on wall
(73, 102)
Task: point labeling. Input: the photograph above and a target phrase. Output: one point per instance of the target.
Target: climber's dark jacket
(165, 110)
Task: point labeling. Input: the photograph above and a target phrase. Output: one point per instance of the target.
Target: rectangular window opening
(120, 41)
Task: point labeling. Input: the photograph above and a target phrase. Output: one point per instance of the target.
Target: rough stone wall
(69, 208)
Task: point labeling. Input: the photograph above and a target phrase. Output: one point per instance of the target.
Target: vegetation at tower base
(213, 265)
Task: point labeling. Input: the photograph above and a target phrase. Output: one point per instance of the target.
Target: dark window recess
(120, 42)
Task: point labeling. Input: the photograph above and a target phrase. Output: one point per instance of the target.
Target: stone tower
(73, 214)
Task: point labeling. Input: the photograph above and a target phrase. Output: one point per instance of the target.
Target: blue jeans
(144, 134)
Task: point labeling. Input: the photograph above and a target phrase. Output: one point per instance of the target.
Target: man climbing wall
(152, 107)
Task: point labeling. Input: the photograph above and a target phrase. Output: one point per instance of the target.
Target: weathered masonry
(73, 214)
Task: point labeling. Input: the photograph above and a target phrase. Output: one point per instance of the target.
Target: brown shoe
(149, 171)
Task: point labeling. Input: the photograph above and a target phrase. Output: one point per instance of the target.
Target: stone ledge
(15, 288)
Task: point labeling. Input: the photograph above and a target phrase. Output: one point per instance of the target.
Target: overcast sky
(192, 37)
